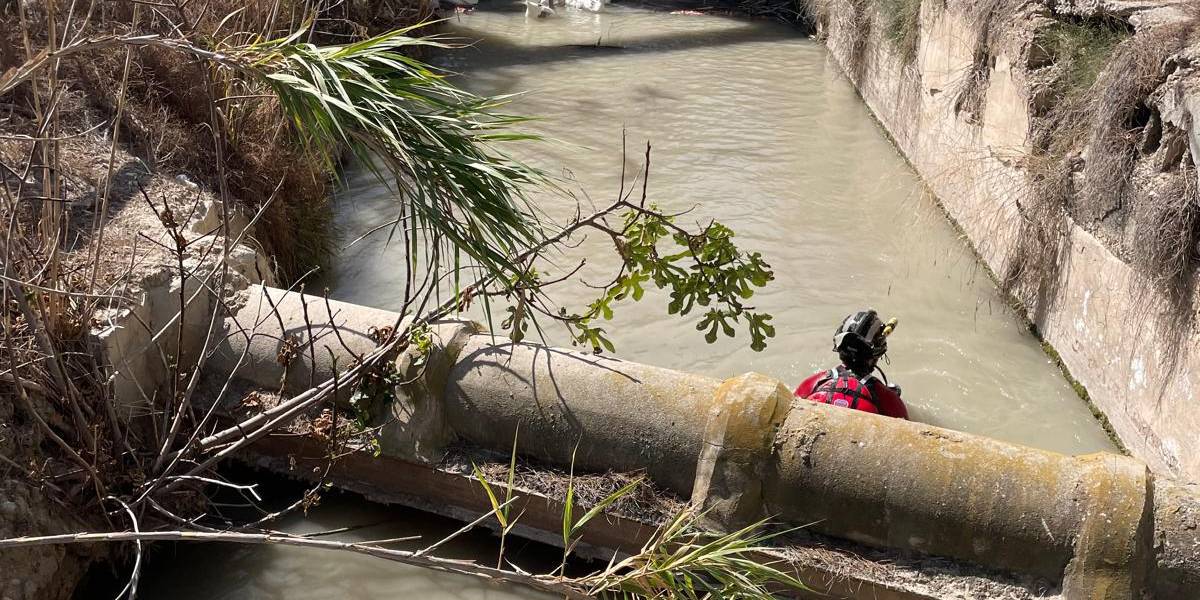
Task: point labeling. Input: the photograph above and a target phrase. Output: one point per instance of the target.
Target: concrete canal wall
(964, 102)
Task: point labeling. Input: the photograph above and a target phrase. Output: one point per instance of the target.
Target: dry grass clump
(1166, 221)
(1104, 88)
(859, 23)
(1166, 249)
(856, 20)
(1081, 48)
(902, 26)
(646, 502)
(1088, 146)
(1032, 264)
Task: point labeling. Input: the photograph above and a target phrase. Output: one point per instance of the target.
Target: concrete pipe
(907, 485)
(623, 416)
(267, 342)
(276, 324)
(744, 448)
(1176, 540)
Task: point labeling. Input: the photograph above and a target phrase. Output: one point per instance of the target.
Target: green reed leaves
(433, 141)
(502, 510)
(686, 562)
(572, 527)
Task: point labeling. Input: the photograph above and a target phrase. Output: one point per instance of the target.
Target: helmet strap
(880, 369)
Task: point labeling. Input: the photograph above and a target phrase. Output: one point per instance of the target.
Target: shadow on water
(214, 570)
(496, 52)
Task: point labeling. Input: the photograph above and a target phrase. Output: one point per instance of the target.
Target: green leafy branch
(701, 269)
(406, 123)
(704, 269)
(708, 270)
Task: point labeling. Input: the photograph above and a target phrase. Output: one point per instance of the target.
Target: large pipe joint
(414, 424)
(742, 420)
(1176, 540)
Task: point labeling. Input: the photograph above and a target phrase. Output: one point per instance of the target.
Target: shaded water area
(753, 125)
(235, 571)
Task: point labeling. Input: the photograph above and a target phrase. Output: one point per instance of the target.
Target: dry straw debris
(646, 502)
(1094, 145)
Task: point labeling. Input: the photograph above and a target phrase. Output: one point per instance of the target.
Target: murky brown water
(752, 125)
(243, 572)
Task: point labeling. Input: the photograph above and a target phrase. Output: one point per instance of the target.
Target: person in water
(860, 342)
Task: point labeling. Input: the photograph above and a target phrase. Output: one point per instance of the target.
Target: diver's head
(860, 341)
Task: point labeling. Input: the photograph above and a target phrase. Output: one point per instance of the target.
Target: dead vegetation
(162, 107)
(898, 21)
(1098, 158)
(209, 111)
(989, 21)
(646, 502)
(1103, 93)
(105, 157)
(902, 26)
(856, 17)
(1166, 218)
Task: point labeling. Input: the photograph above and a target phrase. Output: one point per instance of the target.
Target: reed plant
(682, 560)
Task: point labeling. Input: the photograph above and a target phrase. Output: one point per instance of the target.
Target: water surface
(241, 571)
(753, 125)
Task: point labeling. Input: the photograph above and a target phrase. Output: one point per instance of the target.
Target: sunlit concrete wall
(1117, 336)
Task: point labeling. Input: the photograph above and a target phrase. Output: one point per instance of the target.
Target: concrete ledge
(450, 493)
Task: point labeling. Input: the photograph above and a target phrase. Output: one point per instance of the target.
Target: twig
(465, 528)
(132, 586)
(101, 216)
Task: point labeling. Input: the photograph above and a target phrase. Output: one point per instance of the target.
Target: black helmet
(860, 337)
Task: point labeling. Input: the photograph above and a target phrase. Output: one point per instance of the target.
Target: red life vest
(841, 387)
